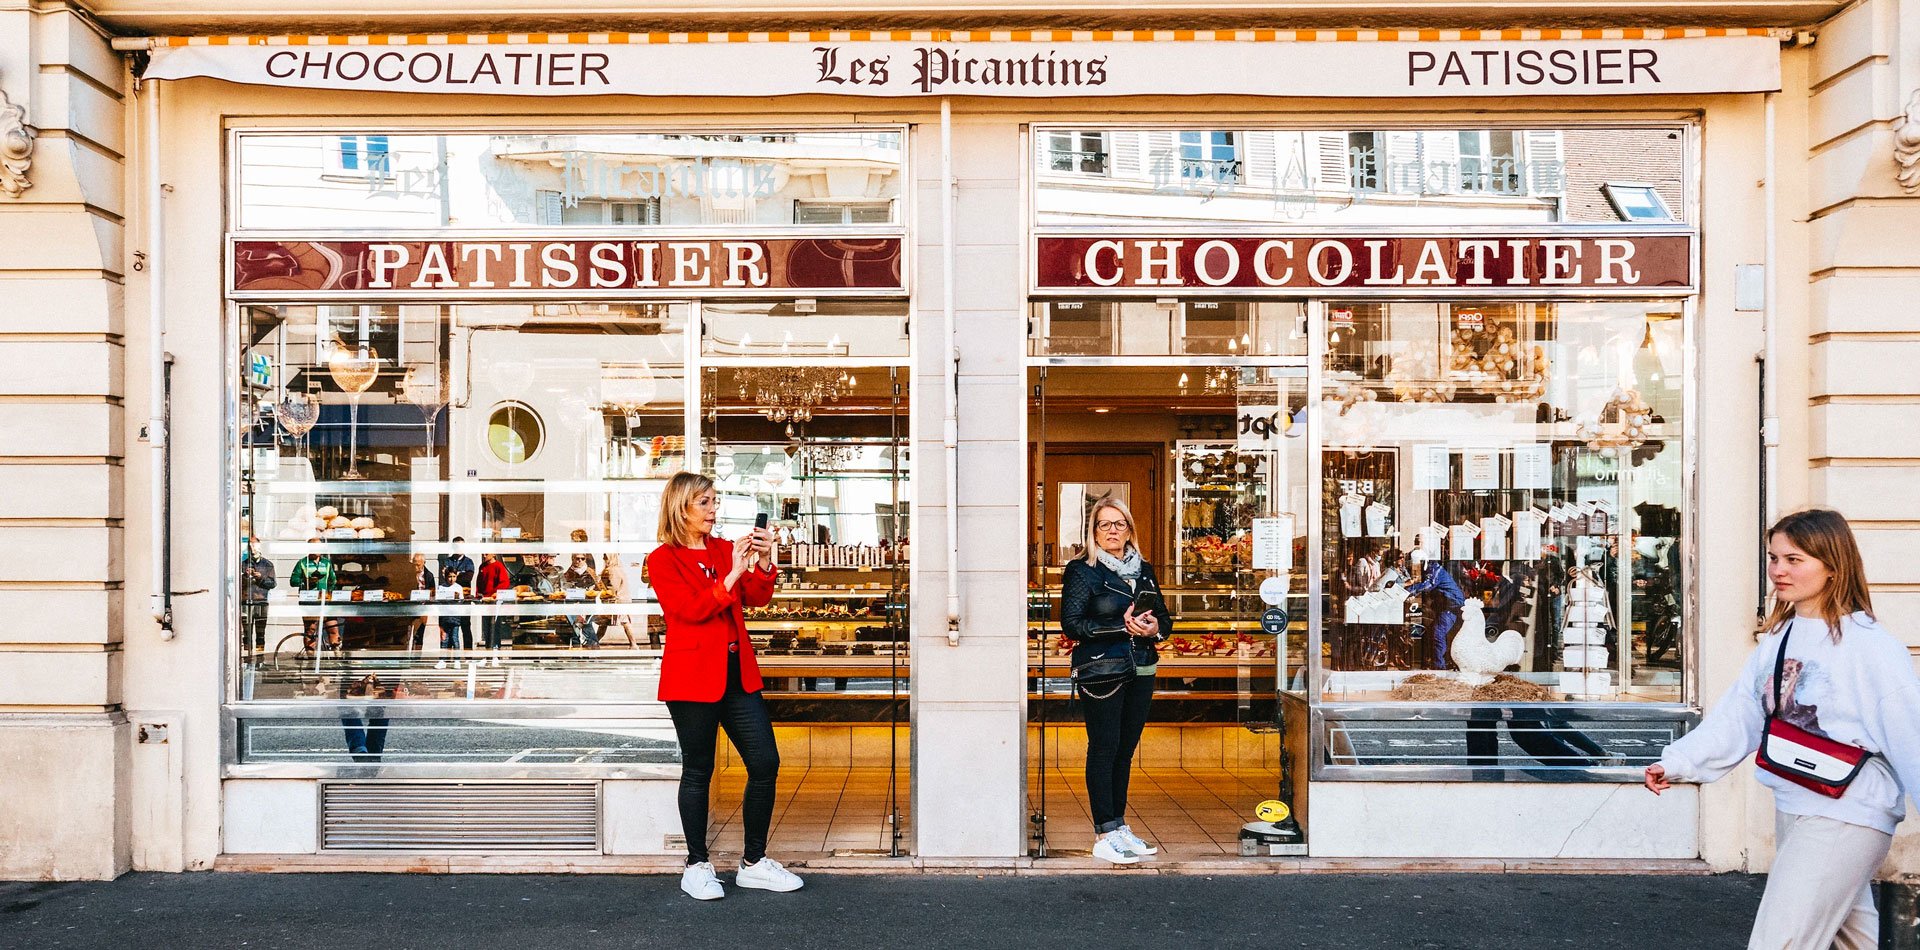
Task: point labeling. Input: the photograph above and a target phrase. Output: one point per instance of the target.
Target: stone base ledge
(877, 864)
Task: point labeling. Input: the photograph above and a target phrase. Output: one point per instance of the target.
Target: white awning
(1003, 63)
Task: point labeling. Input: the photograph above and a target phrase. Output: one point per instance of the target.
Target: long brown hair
(1823, 533)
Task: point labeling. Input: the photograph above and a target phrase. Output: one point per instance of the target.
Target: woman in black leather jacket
(1096, 611)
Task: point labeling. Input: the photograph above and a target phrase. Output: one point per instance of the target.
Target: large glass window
(1501, 498)
(523, 180)
(1407, 177)
(453, 502)
(1184, 327)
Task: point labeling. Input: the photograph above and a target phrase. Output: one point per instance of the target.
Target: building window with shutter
(1635, 202)
(842, 212)
(361, 156)
(554, 210)
(1365, 151)
(1490, 162)
(1211, 157)
(1084, 153)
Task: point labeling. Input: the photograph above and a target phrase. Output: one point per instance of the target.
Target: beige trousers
(1820, 889)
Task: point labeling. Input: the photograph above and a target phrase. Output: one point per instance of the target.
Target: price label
(422, 594)
(506, 595)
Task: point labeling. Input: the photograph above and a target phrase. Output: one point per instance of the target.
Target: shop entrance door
(1212, 461)
(822, 449)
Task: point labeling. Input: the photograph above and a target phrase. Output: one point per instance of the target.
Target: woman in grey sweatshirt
(1843, 677)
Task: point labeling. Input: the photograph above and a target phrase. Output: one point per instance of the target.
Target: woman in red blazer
(708, 677)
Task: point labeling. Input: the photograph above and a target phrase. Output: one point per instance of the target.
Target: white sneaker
(1136, 844)
(768, 875)
(1114, 847)
(699, 882)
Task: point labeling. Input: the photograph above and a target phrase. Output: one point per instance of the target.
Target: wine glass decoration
(298, 412)
(427, 391)
(353, 370)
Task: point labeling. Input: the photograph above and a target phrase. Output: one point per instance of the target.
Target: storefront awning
(1004, 63)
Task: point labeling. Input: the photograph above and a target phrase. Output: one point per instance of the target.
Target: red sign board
(1491, 264)
(607, 267)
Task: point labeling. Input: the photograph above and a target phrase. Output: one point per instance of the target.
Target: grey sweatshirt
(1861, 691)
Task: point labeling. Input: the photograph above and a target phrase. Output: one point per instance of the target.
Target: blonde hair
(682, 489)
(1104, 502)
(1825, 536)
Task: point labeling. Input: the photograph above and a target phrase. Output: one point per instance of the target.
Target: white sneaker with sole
(1114, 847)
(1136, 844)
(700, 883)
(767, 875)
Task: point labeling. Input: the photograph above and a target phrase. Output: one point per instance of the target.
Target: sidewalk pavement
(350, 911)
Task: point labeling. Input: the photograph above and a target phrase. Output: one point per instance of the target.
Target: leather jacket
(1093, 606)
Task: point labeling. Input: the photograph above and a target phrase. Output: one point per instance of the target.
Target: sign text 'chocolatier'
(1491, 263)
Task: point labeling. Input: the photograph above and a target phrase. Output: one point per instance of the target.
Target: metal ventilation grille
(460, 816)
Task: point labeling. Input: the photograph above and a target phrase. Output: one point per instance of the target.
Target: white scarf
(1127, 566)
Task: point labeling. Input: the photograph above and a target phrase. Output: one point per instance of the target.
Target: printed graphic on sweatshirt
(1793, 675)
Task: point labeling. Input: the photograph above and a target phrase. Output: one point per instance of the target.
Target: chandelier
(790, 394)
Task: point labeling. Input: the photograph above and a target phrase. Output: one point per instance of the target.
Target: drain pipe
(950, 385)
(160, 508)
(1769, 353)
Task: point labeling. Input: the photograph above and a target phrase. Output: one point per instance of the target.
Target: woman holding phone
(1826, 676)
(1110, 598)
(709, 679)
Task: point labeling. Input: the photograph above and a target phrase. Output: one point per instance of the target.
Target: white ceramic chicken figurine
(1477, 657)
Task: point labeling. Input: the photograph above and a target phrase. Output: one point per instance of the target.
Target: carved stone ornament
(16, 147)
(1906, 145)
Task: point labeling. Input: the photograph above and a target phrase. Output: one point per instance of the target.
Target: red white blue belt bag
(1811, 761)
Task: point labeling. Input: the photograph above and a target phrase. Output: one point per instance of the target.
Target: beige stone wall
(64, 738)
(1862, 326)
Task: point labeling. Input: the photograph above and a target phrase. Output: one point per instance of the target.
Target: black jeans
(366, 737)
(1114, 725)
(744, 716)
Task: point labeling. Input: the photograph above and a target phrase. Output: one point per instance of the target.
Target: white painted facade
(111, 751)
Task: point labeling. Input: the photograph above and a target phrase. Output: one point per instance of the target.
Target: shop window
(1210, 157)
(1084, 153)
(1107, 327)
(395, 180)
(842, 212)
(1490, 161)
(387, 453)
(1502, 501)
(806, 328)
(1636, 203)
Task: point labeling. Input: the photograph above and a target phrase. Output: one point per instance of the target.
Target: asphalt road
(868, 912)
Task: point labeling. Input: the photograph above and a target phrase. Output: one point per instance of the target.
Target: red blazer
(703, 617)
(492, 579)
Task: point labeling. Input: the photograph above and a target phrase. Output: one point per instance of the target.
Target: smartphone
(759, 521)
(1148, 601)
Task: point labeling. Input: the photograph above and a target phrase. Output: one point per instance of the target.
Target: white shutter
(1546, 169)
(1263, 161)
(1408, 156)
(1125, 149)
(549, 209)
(1332, 160)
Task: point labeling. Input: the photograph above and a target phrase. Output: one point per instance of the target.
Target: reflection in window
(842, 212)
(1489, 161)
(1503, 497)
(1210, 156)
(366, 154)
(534, 437)
(1365, 151)
(1192, 327)
(1082, 152)
(1636, 202)
(526, 180)
(806, 328)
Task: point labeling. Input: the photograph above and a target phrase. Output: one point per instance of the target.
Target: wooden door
(1076, 473)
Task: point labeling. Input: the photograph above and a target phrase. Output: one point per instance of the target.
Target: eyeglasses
(1109, 525)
